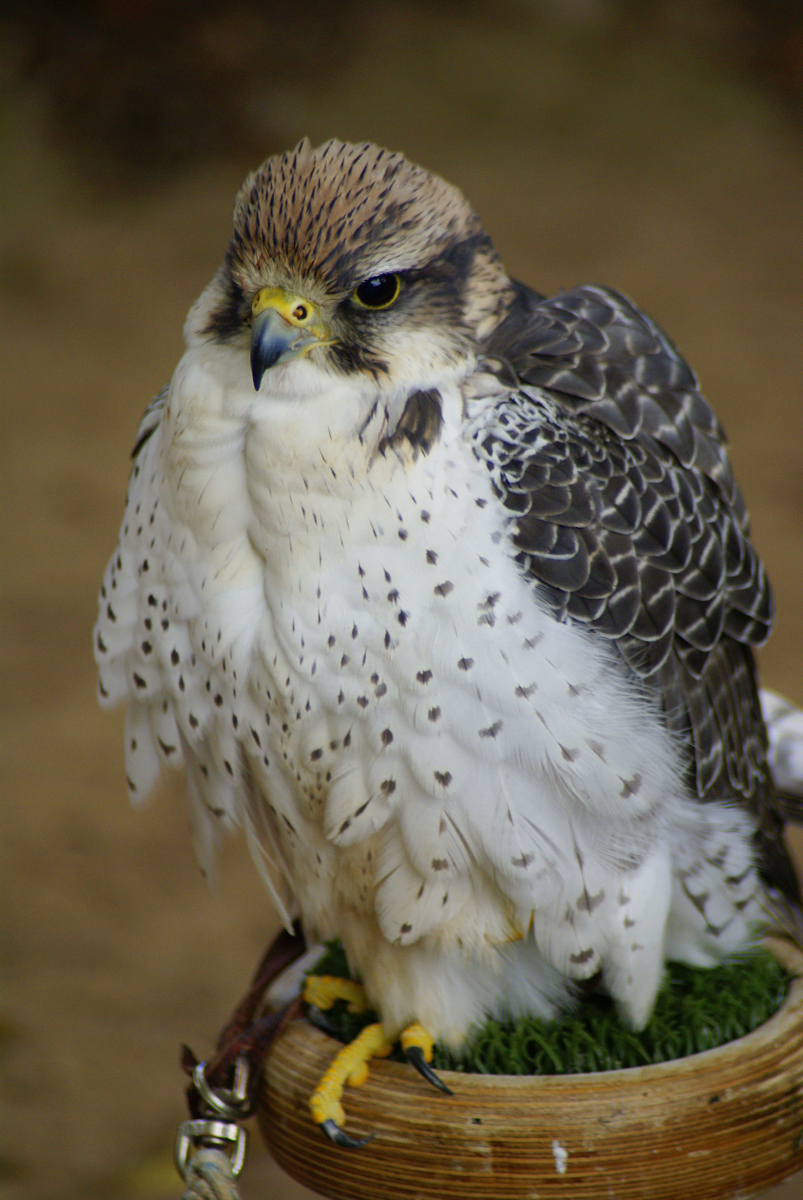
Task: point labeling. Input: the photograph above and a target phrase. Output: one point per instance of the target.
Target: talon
(415, 1057)
(320, 1020)
(350, 1065)
(323, 991)
(341, 1138)
(418, 1045)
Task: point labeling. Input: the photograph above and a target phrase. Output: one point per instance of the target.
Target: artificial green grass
(695, 1010)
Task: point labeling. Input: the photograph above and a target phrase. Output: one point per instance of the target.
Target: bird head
(359, 262)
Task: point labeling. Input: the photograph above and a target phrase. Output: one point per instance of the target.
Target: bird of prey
(443, 589)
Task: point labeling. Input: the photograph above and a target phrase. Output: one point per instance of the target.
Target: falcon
(443, 590)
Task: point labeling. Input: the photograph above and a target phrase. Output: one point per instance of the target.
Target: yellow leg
(418, 1045)
(350, 1065)
(416, 1035)
(324, 990)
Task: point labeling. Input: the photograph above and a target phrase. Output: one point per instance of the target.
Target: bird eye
(378, 292)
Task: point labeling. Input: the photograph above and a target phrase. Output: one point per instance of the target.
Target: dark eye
(379, 292)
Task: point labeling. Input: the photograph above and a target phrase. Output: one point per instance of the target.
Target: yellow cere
(294, 308)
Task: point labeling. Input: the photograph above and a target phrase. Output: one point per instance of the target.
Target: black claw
(321, 1021)
(415, 1057)
(341, 1138)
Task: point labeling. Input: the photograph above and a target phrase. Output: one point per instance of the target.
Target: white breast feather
(434, 765)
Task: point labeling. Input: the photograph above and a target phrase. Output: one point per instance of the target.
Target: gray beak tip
(274, 340)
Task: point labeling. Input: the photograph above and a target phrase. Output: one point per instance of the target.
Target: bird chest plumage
(444, 591)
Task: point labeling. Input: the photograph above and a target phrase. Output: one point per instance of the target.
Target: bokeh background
(656, 147)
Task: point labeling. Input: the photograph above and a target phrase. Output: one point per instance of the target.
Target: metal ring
(213, 1134)
(231, 1108)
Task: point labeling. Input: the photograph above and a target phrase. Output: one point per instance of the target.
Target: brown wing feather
(628, 516)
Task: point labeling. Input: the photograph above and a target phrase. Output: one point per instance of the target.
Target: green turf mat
(695, 1010)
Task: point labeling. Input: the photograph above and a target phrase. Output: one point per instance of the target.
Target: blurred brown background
(656, 147)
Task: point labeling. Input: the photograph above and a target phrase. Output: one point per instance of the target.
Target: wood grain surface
(725, 1123)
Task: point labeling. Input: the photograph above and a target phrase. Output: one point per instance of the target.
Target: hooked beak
(284, 326)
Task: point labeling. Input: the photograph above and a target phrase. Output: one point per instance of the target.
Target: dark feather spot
(582, 958)
(630, 786)
(588, 903)
(491, 730)
(736, 880)
(419, 425)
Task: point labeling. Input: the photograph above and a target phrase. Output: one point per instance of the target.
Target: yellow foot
(349, 1066)
(417, 1045)
(324, 990)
